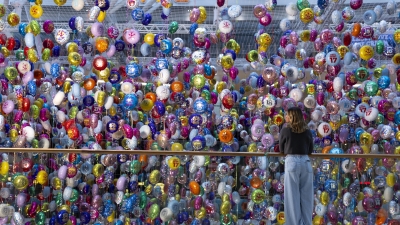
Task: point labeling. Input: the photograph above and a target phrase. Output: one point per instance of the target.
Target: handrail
(210, 153)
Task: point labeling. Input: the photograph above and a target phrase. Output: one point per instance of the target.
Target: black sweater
(295, 143)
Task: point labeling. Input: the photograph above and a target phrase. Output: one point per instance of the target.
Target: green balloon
(302, 4)
(154, 211)
(362, 74)
(19, 54)
(59, 199)
(142, 199)
(346, 182)
(252, 56)
(155, 146)
(371, 88)
(206, 95)
(11, 73)
(258, 196)
(134, 166)
(353, 93)
(199, 81)
(40, 218)
(173, 27)
(380, 119)
(379, 46)
(74, 196)
(35, 143)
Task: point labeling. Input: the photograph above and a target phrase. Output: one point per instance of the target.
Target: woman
(296, 142)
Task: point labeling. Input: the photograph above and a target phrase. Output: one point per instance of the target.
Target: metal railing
(191, 153)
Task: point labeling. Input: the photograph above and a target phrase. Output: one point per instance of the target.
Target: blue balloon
(397, 117)
(348, 58)
(166, 46)
(207, 69)
(146, 19)
(103, 5)
(62, 217)
(369, 17)
(331, 186)
(163, 16)
(160, 107)
(88, 100)
(71, 23)
(56, 51)
(17, 44)
(158, 38)
(114, 77)
(322, 4)
(130, 101)
(133, 70)
(161, 64)
(31, 87)
(231, 53)
(119, 45)
(21, 28)
(85, 217)
(55, 70)
(193, 28)
(200, 105)
(383, 82)
(137, 14)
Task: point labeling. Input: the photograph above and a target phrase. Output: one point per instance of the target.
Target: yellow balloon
(280, 218)
(324, 198)
(174, 163)
(252, 147)
(396, 59)
(200, 214)
(342, 50)
(146, 105)
(112, 111)
(318, 220)
(4, 167)
(264, 39)
(5, 51)
(306, 15)
(227, 62)
(72, 47)
(74, 58)
(36, 11)
(220, 86)
(104, 74)
(98, 170)
(42, 177)
(20, 182)
(111, 217)
(13, 19)
(154, 177)
(149, 38)
(148, 189)
(101, 98)
(305, 35)
(366, 52)
(176, 147)
(60, 2)
(102, 16)
(366, 139)
(396, 36)
(390, 179)
(225, 207)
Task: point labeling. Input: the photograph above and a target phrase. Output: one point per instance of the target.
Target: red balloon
(100, 63)
(220, 3)
(26, 104)
(48, 43)
(26, 49)
(3, 39)
(26, 164)
(73, 133)
(10, 44)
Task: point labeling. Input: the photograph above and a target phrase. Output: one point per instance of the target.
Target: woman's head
(294, 118)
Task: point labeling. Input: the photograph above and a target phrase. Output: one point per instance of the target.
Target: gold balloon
(98, 170)
(56, 183)
(64, 207)
(60, 2)
(324, 198)
(148, 189)
(101, 96)
(306, 15)
(74, 58)
(366, 139)
(225, 207)
(13, 19)
(227, 62)
(104, 74)
(201, 213)
(89, 31)
(305, 35)
(342, 50)
(20, 182)
(5, 51)
(67, 87)
(154, 177)
(390, 179)
(72, 47)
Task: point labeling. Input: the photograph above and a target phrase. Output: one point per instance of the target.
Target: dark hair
(296, 120)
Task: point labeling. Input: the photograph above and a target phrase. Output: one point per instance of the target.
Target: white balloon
(361, 109)
(76, 90)
(296, 94)
(29, 40)
(235, 11)
(58, 98)
(47, 67)
(388, 194)
(225, 26)
(109, 102)
(164, 76)
(371, 114)
(338, 84)
(1, 122)
(29, 133)
(144, 131)
(166, 11)
(166, 214)
(396, 102)
(78, 4)
(126, 87)
(324, 129)
(162, 92)
(320, 209)
(291, 9)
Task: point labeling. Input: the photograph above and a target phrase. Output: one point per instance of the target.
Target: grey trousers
(299, 190)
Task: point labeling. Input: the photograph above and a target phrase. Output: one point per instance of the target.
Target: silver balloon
(94, 13)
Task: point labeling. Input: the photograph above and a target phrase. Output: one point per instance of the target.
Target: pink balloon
(21, 199)
(8, 106)
(266, 19)
(111, 51)
(131, 36)
(128, 131)
(194, 15)
(28, 76)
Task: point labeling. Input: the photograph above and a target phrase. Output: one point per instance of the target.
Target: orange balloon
(177, 86)
(101, 44)
(194, 187)
(143, 160)
(255, 182)
(89, 84)
(151, 96)
(381, 216)
(356, 29)
(225, 136)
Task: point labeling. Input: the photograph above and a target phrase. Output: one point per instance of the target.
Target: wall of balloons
(351, 103)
